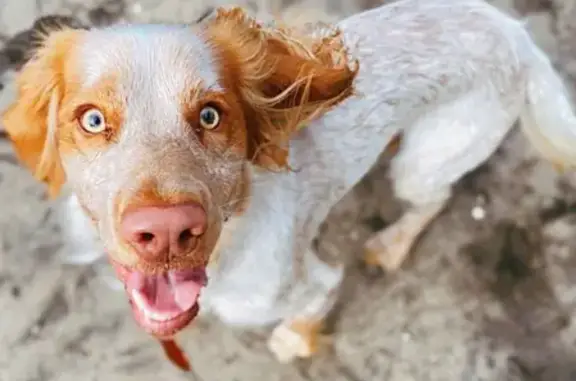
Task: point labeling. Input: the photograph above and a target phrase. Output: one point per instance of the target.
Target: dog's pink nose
(158, 231)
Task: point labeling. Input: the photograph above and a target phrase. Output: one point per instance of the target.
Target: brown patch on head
(282, 80)
(228, 139)
(104, 97)
(229, 136)
(32, 120)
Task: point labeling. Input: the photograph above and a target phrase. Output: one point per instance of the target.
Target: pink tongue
(168, 292)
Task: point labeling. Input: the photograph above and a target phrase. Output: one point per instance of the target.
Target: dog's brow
(150, 51)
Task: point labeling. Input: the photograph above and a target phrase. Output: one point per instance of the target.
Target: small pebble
(478, 213)
(406, 336)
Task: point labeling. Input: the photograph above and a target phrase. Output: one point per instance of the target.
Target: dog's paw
(387, 249)
(297, 340)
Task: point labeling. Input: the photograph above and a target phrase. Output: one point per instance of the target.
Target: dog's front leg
(300, 333)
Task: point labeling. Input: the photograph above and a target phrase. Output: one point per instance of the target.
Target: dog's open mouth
(166, 303)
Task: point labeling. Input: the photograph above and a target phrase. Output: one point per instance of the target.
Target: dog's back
(450, 78)
(416, 59)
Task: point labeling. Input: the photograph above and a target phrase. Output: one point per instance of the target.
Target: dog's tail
(548, 118)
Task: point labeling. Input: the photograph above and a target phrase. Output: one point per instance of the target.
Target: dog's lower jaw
(162, 304)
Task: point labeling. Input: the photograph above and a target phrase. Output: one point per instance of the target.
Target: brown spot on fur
(311, 333)
(372, 257)
(242, 194)
(394, 146)
(282, 80)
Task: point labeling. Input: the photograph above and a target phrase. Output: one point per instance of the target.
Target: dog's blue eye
(209, 118)
(93, 121)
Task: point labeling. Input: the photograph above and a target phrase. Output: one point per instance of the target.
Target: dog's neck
(267, 207)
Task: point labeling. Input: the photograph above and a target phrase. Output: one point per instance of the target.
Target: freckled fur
(449, 78)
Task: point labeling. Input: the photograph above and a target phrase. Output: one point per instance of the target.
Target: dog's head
(157, 130)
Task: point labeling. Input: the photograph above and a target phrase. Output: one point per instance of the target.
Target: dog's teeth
(139, 300)
(161, 316)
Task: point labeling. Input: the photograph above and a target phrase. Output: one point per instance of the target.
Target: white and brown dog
(183, 145)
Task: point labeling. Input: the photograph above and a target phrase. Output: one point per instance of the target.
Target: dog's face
(157, 130)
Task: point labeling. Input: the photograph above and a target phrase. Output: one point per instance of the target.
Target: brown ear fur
(284, 80)
(40, 86)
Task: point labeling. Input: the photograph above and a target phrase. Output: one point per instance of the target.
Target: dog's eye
(209, 118)
(92, 120)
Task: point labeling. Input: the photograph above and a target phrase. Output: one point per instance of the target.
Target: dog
(203, 158)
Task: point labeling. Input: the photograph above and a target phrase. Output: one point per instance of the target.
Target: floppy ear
(31, 121)
(284, 81)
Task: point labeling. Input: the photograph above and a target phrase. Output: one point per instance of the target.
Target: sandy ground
(480, 299)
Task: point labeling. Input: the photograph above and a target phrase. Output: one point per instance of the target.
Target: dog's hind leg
(434, 154)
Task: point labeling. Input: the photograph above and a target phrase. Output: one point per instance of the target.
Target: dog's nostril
(156, 233)
(185, 237)
(146, 237)
(187, 240)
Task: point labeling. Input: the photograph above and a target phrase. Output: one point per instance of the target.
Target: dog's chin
(162, 304)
